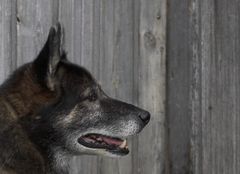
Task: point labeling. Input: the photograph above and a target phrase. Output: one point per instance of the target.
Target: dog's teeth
(99, 139)
(124, 144)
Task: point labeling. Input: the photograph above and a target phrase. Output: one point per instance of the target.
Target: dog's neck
(21, 102)
(56, 158)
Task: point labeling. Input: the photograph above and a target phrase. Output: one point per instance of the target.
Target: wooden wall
(203, 107)
(122, 42)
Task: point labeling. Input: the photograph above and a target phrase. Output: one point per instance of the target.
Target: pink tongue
(89, 140)
(112, 141)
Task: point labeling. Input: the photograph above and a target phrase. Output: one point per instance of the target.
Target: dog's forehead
(76, 71)
(76, 76)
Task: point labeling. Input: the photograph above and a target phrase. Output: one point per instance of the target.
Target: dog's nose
(145, 116)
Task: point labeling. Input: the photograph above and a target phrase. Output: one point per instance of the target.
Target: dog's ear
(47, 62)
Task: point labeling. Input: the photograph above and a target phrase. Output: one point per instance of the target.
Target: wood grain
(220, 84)
(7, 37)
(34, 21)
(203, 83)
(150, 78)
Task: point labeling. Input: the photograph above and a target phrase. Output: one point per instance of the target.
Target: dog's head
(83, 119)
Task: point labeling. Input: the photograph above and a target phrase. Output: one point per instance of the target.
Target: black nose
(145, 116)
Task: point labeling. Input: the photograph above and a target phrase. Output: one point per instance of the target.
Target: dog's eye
(92, 97)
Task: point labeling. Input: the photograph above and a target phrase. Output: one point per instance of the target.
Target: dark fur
(47, 104)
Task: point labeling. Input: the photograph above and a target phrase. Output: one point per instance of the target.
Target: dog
(52, 110)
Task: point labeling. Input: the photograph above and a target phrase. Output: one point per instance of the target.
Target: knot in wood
(149, 40)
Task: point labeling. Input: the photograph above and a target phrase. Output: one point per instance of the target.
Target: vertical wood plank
(35, 20)
(179, 84)
(150, 75)
(7, 38)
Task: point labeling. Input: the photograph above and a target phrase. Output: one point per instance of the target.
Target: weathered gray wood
(34, 21)
(179, 84)
(207, 35)
(150, 83)
(7, 38)
(220, 84)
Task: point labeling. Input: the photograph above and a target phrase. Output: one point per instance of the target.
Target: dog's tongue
(112, 141)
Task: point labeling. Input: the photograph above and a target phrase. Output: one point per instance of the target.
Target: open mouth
(110, 144)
